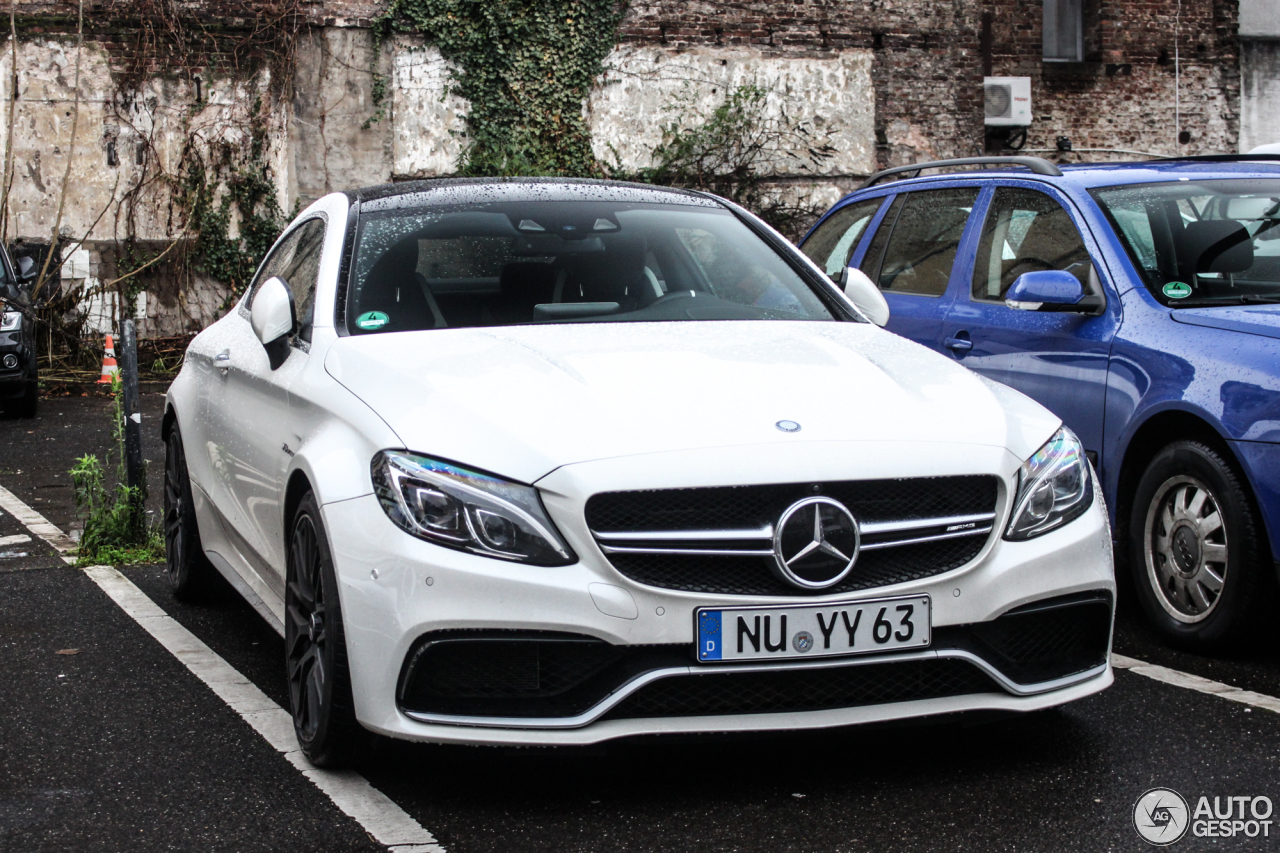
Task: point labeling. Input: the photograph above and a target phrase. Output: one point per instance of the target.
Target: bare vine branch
(8, 139)
(71, 151)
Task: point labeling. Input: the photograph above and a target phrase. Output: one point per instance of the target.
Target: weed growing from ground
(116, 528)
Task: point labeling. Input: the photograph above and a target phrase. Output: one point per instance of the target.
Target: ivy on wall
(214, 184)
(526, 66)
(732, 150)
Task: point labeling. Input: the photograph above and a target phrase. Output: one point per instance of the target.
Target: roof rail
(1038, 165)
(1221, 158)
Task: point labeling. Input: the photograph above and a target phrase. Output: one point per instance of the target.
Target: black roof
(449, 191)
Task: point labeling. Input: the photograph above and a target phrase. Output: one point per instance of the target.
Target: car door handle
(958, 344)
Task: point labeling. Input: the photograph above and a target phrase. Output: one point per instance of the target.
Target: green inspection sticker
(1177, 290)
(375, 320)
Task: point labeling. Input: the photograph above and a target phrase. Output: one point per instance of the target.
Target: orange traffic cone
(109, 367)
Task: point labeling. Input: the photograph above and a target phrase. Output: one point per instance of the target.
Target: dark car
(18, 378)
(1140, 302)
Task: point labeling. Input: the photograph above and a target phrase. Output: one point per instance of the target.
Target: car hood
(1251, 319)
(521, 401)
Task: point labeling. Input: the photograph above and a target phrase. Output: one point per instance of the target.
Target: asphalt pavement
(118, 746)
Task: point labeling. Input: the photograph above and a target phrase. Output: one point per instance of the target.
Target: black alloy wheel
(26, 405)
(315, 648)
(1198, 553)
(186, 566)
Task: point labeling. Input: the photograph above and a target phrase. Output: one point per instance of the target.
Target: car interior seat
(396, 288)
(524, 284)
(615, 275)
(1214, 246)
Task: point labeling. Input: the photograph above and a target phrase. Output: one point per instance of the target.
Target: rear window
(1201, 243)
(564, 262)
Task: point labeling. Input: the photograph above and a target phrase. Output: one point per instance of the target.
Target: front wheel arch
(298, 486)
(1157, 433)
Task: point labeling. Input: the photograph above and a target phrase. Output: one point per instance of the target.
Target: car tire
(186, 566)
(1198, 556)
(26, 405)
(320, 697)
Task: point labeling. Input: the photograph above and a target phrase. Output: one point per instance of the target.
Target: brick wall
(1122, 95)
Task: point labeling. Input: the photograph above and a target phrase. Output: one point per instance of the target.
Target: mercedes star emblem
(815, 543)
(788, 426)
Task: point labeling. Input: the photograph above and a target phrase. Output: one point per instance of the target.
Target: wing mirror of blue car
(863, 293)
(1052, 290)
(26, 270)
(274, 317)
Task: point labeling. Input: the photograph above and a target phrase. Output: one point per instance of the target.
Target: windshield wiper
(1221, 301)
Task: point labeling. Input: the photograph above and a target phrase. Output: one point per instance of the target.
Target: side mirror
(863, 293)
(272, 313)
(1051, 290)
(26, 270)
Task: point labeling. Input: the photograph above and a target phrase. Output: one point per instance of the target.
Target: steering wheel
(1035, 265)
(673, 296)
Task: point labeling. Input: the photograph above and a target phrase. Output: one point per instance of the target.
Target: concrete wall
(1259, 73)
(127, 150)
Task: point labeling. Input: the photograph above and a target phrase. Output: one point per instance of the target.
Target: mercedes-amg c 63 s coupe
(555, 462)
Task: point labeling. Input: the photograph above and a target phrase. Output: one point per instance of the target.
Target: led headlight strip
(468, 510)
(1054, 487)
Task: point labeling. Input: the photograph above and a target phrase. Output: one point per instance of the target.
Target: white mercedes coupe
(555, 462)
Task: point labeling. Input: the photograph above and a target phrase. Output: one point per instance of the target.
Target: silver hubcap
(1186, 548)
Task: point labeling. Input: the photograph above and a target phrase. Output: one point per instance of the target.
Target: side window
(1025, 231)
(875, 252)
(302, 272)
(831, 246)
(297, 261)
(920, 250)
(274, 264)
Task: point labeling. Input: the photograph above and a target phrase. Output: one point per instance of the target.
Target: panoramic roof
(449, 191)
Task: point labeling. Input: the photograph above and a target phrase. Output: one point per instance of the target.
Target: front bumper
(14, 381)
(396, 589)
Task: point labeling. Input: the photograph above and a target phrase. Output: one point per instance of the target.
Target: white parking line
(14, 540)
(349, 791)
(36, 523)
(1195, 682)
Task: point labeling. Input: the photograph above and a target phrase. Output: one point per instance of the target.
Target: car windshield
(561, 262)
(1199, 243)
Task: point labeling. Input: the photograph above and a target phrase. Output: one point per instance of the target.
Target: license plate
(769, 633)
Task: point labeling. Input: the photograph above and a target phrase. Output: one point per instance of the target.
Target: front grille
(742, 507)
(726, 575)
(719, 540)
(803, 689)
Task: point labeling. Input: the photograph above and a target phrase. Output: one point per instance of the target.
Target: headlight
(10, 320)
(467, 510)
(1054, 486)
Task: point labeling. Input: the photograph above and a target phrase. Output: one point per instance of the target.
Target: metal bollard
(132, 407)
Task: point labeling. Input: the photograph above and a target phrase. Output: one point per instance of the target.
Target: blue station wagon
(1140, 302)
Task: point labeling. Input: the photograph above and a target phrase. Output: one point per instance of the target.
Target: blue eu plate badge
(709, 635)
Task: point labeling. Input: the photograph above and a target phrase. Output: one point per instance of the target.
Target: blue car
(1140, 302)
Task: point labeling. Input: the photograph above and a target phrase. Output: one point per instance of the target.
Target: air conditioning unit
(1007, 101)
